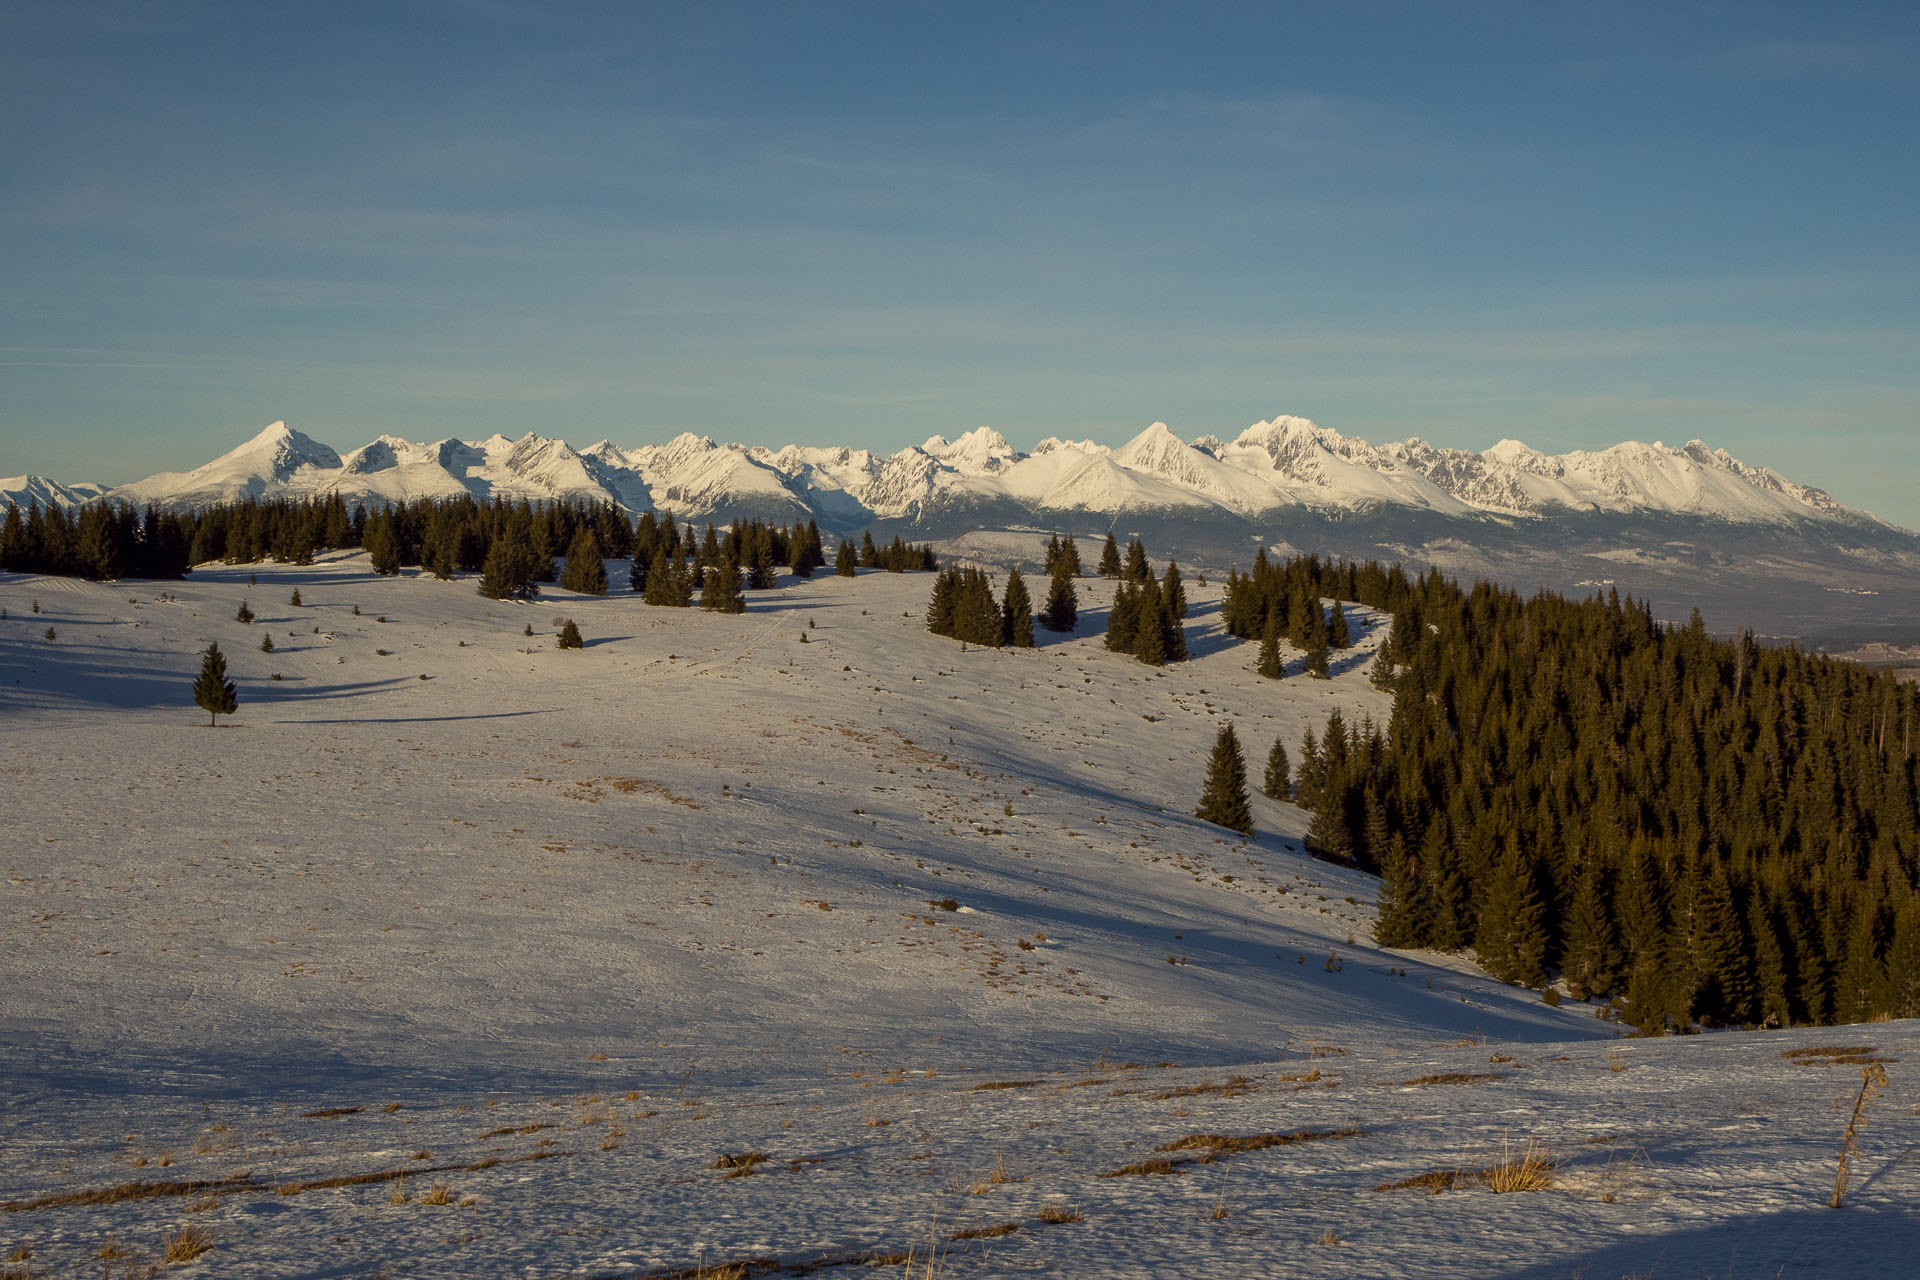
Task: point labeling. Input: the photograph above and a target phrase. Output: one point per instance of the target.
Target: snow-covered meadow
(565, 932)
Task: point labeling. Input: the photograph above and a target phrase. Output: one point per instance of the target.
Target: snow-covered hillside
(929, 928)
(1288, 464)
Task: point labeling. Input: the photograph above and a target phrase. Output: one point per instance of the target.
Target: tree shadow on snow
(1861, 1240)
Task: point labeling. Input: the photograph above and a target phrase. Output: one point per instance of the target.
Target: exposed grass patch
(1454, 1077)
(330, 1113)
(1004, 1084)
(442, 1194)
(1148, 1168)
(1834, 1056)
(986, 1233)
(1231, 1087)
(1057, 1214)
(1215, 1145)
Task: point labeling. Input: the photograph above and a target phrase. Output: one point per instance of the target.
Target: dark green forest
(511, 545)
(1714, 832)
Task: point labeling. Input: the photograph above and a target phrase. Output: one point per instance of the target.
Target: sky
(844, 223)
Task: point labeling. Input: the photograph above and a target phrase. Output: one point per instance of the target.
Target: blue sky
(847, 223)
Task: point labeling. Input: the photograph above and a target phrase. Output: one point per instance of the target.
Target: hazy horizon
(865, 225)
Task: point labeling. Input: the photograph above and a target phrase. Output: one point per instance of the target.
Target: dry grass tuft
(1057, 1214)
(1328, 1237)
(111, 1251)
(442, 1194)
(330, 1113)
(745, 1160)
(1530, 1170)
(186, 1245)
(1004, 1084)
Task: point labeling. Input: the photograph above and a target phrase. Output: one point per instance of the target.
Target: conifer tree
(1137, 569)
(508, 572)
(382, 546)
(1173, 613)
(869, 554)
(212, 691)
(1062, 610)
(1052, 557)
(1123, 619)
(1269, 663)
(266, 643)
(1016, 611)
(722, 592)
(294, 599)
(1512, 940)
(1110, 559)
(243, 613)
(1279, 780)
(1316, 664)
(940, 604)
(1592, 964)
(1224, 802)
(586, 571)
(845, 560)
(569, 637)
(1070, 555)
(1337, 634)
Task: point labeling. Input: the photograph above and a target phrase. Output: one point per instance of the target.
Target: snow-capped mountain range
(1285, 466)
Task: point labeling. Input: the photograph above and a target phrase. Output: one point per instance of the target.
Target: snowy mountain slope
(23, 491)
(1276, 466)
(931, 929)
(278, 460)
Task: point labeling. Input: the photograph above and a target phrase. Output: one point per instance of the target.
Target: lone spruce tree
(1110, 559)
(1224, 802)
(214, 693)
(569, 637)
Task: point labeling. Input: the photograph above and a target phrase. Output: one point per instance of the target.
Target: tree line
(512, 545)
(1715, 832)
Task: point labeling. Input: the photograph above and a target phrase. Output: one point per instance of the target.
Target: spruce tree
(508, 571)
(381, 544)
(940, 604)
(266, 643)
(1269, 663)
(1070, 556)
(1512, 939)
(1279, 779)
(569, 637)
(586, 571)
(845, 560)
(1316, 664)
(1592, 963)
(1337, 634)
(212, 691)
(1016, 629)
(294, 599)
(1137, 570)
(722, 592)
(1062, 611)
(1225, 802)
(1110, 559)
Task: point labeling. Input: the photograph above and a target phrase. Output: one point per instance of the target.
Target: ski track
(572, 903)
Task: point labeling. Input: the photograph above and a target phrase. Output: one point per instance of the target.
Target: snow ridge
(1284, 463)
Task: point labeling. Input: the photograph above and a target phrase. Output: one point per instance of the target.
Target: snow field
(709, 864)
